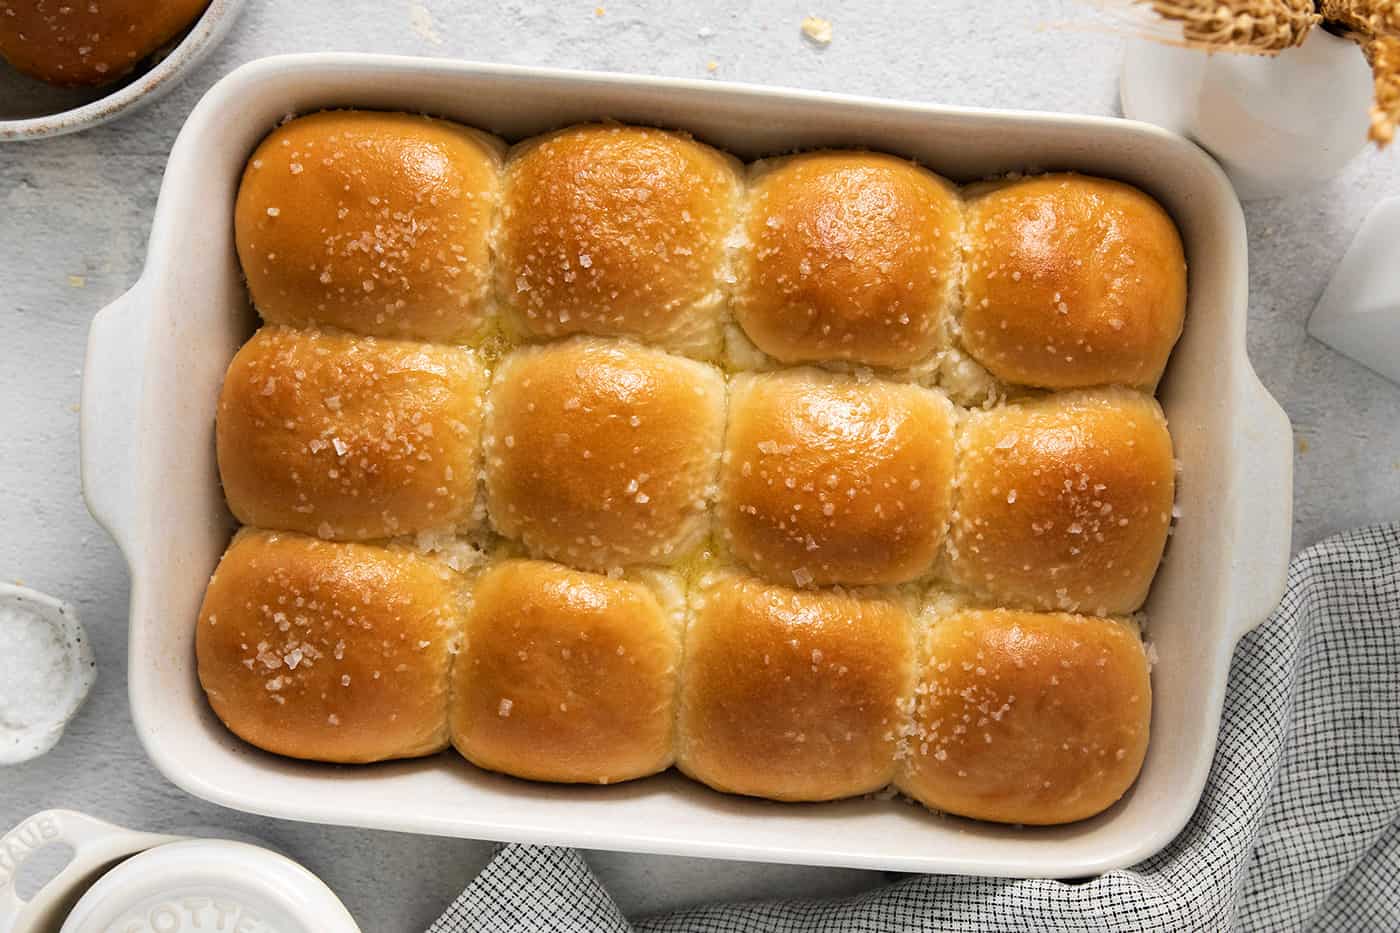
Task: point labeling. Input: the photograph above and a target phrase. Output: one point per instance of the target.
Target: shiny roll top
(350, 438)
(729, 519)
(792, 694)
(617, 231)
(329, 651)
(848, 256)
(1071, 282)
(1021, 717)
(569, 676)
(833, 479)
(1063, 502)
(377, 223)
(602, 453)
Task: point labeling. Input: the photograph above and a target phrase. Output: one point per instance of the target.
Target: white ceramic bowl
(156, 359)
(61, 670)
(30, 109)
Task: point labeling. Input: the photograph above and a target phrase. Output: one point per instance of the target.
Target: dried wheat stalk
(1369, 19)
(1261, 27)
(1384, 56)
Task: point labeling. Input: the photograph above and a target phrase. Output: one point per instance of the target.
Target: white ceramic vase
(1277, 124)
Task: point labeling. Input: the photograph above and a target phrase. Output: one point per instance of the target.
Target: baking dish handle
(95, 846)
(112, 383)
(1263, 519)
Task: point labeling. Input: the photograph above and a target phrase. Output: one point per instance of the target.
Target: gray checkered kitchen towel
(1299, 828)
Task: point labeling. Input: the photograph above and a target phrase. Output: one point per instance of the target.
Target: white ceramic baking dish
(157, 355)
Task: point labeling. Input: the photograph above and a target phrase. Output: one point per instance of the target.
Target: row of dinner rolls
(602, 453)
(402, 226)
(354, 652)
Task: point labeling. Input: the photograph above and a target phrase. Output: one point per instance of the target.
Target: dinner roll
(92, 42)
(1022, 717)
(618, 231)
(568, 676)
(848, 256)
(375, 222)
(1064, 502)
(834, 479)
(1071, 281)
(329, 651)
(792, 694)
(602, 453)
(349, 437)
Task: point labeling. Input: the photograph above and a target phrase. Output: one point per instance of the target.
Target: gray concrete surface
(75, 212)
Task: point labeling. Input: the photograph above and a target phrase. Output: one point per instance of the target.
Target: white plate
(156, 358)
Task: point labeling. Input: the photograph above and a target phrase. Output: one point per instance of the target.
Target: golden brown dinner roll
(568, 676)
(375, 222)
(1022, 717)
(848, 256)
(618, 231)
(835, 479)
(602, 453)
(88, 42)
(1064, 502)
(792, 694)
(329, 651)
(1071, 281)
(349, 437)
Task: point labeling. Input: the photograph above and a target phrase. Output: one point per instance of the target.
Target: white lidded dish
(117, 879)
(156, 359)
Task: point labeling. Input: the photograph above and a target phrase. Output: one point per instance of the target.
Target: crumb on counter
(817, 30)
